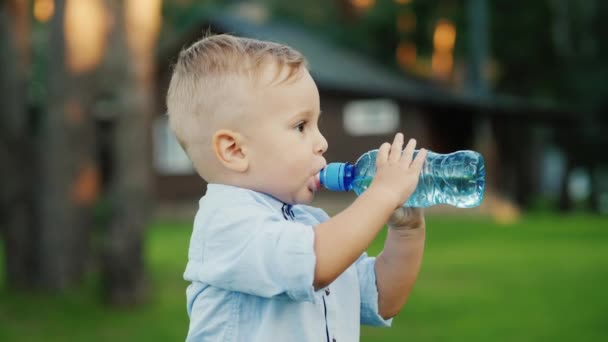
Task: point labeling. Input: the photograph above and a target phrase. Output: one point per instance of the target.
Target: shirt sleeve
(257, 252)
(369, 292)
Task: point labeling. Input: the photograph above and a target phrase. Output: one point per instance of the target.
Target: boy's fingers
(382, 155)
(419, 161)
(406, 159)
(396, 148)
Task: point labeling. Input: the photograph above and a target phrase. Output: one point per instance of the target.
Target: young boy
(263, 265)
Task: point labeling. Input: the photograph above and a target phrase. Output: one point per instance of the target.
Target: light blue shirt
(251, 267)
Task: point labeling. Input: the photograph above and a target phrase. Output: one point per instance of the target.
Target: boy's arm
(340, 240)
(398, 265)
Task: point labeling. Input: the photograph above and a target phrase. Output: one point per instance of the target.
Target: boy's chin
(306, 201)
(305, 197)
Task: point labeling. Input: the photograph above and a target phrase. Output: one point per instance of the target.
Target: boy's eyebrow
(306, 112)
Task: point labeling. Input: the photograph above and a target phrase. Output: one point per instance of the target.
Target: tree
(49, 171)
(68, 176)
(129, 69)
(47, 196)
(16, 148)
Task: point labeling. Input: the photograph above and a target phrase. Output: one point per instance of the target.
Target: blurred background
(97, 198)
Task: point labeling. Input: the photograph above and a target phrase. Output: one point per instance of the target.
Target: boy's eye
(300, 126)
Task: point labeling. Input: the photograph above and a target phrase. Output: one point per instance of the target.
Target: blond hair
(208, 80)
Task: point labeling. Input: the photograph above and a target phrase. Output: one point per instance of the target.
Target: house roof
(332, 67)
(339, 69)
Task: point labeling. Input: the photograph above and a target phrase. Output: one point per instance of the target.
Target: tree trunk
(124, 280)
(16, 148)
(67, 171)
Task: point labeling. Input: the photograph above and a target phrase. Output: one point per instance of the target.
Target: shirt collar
(283, 208)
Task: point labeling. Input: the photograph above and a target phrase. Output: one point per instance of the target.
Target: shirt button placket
(327, 292)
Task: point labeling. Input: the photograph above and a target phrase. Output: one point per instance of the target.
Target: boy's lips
(315, 183)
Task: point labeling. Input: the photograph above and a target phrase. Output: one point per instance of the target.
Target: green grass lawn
(542, 279)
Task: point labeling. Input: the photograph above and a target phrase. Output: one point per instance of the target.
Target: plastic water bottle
(457, 178)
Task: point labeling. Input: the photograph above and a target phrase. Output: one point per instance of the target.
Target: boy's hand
(396, 174)
(404, 218)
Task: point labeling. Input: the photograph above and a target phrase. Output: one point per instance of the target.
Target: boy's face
(285, 146)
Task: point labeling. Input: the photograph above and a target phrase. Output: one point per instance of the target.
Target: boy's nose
(322, 147)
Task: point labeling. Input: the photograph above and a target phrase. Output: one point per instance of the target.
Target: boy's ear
(229, 150)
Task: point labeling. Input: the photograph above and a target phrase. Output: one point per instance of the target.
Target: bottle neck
(337, 176)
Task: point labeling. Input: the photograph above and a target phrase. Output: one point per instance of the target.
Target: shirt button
(327, 292)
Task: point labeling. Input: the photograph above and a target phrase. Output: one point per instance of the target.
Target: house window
(169, 157)
(371, 117)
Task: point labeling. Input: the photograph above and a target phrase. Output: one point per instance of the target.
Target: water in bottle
(457, 178)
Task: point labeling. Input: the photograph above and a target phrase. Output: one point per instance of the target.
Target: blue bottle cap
(332, 177)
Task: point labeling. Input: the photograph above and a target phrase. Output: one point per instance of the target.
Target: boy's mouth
(314, 184)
